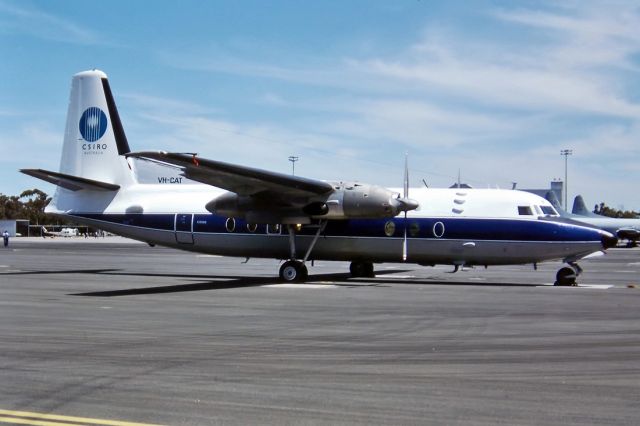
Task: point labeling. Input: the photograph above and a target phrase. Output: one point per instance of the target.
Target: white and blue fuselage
(452, 226)
(98, 185)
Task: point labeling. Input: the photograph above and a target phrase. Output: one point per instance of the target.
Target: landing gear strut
(567, 276)
(295, 270)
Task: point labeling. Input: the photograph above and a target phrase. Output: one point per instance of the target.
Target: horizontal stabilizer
(72, 183)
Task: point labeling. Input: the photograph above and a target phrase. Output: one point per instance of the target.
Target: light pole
(566, 153)
(293, 160)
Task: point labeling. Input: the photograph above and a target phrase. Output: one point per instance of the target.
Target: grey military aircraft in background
(623, 228)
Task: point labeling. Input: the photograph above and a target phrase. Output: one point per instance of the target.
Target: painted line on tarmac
(41, 419)
(302, 285)
(585, 286)
(596, 286)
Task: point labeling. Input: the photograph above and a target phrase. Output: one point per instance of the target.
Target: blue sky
(493, 89)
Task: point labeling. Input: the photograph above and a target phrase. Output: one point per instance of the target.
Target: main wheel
(362, 269)
(566, 276)
(368, 270)
(293, 271)
(356, 269)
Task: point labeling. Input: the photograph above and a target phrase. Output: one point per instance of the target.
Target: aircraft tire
(566, 277)
(356, 270)
(368, 270)
(362, 269)
(293, 271)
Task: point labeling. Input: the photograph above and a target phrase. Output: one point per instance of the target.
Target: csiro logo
(93, 124)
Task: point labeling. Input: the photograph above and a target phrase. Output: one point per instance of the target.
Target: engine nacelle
(257, 210)
(361, 201)
(346, 201)
(231, 204)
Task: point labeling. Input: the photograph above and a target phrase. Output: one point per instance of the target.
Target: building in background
(556, 186)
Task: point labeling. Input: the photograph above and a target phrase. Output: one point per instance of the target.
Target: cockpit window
(525, 211)
(548, 210)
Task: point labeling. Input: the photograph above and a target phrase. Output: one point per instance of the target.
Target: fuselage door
(183, 227)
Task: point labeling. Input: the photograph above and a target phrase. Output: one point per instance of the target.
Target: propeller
(404, 204)
(407, 204)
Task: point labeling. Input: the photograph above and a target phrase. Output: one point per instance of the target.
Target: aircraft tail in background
(553, 199)
(580, 208)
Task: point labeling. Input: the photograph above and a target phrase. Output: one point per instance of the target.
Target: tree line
(604, 210)
(28, 205)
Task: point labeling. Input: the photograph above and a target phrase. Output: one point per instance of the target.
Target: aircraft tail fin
(553, 199)
(580, 208)
(94, 140)
(93, 158)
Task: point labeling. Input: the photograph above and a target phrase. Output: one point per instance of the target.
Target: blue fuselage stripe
(419, 228)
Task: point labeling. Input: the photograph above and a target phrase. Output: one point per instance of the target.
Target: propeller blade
(404, 241)
(407, 204)
(406, 176)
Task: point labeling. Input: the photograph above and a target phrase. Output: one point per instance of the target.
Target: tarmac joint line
(41, 419)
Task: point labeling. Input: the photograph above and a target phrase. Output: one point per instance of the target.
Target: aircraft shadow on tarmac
(215, 282)
(222, 282)
(62, 272)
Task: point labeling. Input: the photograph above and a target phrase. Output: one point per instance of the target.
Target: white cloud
(29, 20)
(498, 107)
(598, 35)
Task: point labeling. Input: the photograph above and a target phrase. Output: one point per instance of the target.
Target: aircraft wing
(239, 179)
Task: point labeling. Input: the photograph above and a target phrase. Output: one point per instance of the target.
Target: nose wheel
(567, 275)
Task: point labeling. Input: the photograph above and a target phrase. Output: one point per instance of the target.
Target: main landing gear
(567, 275)
(294, 269)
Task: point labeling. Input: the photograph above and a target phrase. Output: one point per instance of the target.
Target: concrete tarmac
(114, 329)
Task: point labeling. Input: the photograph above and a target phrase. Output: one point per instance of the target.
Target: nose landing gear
(567, 275)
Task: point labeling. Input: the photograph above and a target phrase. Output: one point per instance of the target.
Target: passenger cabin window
(550, 211)
(525, 211)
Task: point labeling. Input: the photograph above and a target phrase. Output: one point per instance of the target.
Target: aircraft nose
(609, 241)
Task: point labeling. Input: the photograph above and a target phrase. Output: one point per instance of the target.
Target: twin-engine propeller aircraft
(239, 211)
